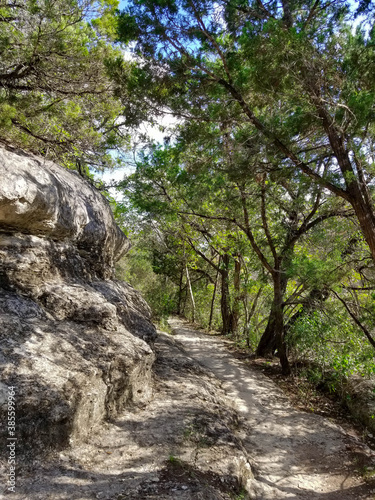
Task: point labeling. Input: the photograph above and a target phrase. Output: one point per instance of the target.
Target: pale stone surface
(181, 445)
(72, 341)
(215, 430)
(40, 198)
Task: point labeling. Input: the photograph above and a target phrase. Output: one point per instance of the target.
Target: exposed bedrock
(75, 343)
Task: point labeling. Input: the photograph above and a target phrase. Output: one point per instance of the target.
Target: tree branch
(280, 145)
(265, 222)
(246, 229)
(356, 320)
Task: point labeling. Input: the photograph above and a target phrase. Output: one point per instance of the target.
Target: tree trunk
(357, 193)
(366, 218)
(188, 282)
(279, 329)
(273, 336)
(225, 305)
(267, 342)
(180, 288)
(213, 299)
(234, 316)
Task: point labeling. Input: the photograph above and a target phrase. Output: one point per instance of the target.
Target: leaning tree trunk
(180, 290)
(224, 301)
(268, 341)
(213, 299)
(365, 215)
(278, 314)
(188, 283)
(235, 313)
(273, 339)
(357, 192)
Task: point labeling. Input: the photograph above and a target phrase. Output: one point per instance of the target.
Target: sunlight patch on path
(298, 455)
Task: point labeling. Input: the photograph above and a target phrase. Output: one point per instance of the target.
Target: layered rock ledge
(75, 343)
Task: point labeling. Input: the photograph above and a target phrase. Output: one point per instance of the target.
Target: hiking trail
(214, 430)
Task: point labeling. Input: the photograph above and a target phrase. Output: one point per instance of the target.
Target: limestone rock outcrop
(75, 343)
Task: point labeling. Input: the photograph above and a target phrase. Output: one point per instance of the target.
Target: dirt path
(214, 430)
(296, 454)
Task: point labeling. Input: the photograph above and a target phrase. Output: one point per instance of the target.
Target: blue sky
(153, 132)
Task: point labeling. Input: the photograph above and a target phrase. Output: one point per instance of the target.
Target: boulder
(75, 344)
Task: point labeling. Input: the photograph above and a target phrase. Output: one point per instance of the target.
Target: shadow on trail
(300, 455)
(288, 446)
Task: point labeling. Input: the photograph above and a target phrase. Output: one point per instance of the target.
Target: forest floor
(216, 429)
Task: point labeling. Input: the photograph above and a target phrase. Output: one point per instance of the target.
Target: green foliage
(259, 190)
(160, 293)
(260, 201)
(329, 341)
(56, 98)
(174, 460)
